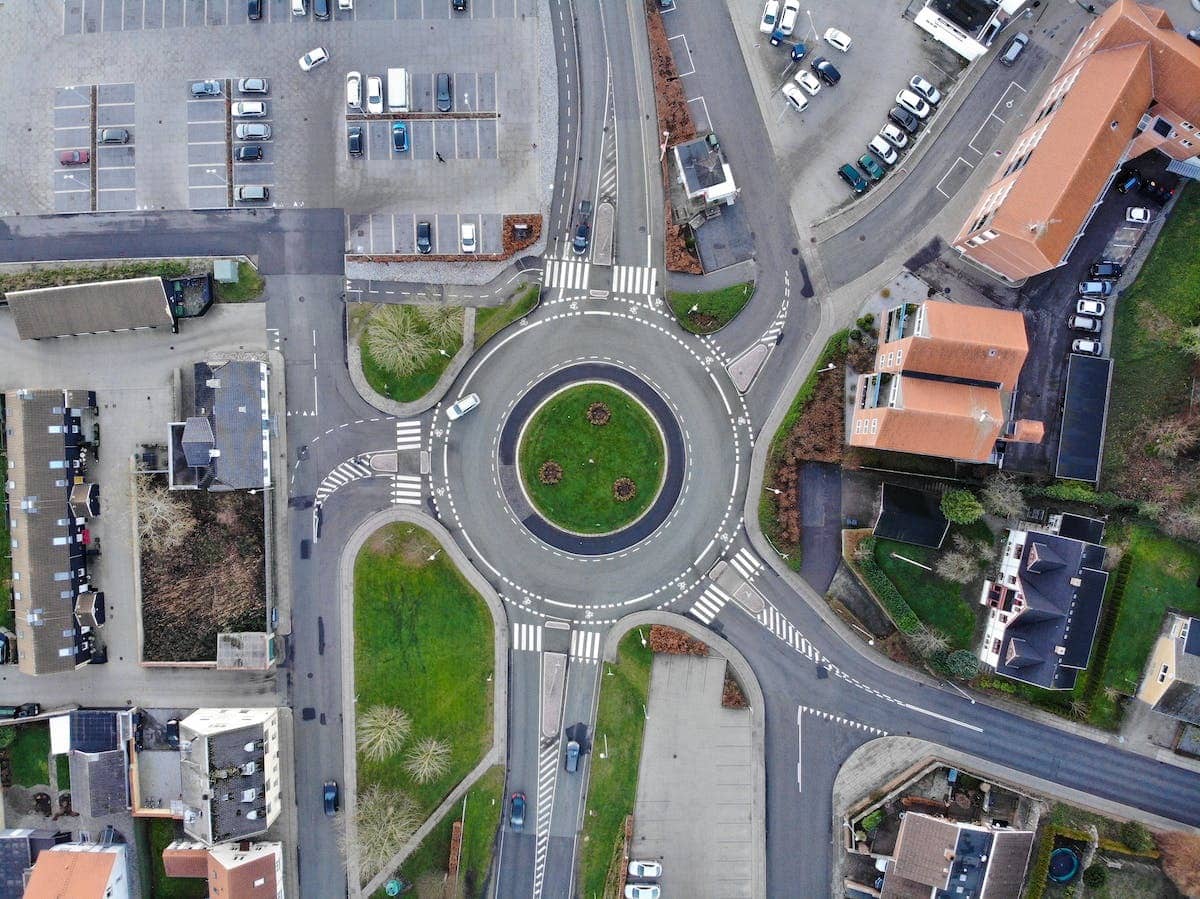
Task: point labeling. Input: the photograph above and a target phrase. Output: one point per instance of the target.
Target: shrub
(962, 664)
(1095, 876)
(1136, 837)
(885, 591)
(872, 821)
(624, 490)
(550, 472)
(961, 506)
(7, 736)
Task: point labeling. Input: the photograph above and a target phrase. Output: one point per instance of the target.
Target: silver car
(252, 131)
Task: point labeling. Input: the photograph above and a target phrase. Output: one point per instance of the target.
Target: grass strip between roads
(592, 458)
(710, 311)
(491, 320)
(612, 786)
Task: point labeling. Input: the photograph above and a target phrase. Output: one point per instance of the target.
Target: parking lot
(396, 234)
(116, 174)
(72, 132)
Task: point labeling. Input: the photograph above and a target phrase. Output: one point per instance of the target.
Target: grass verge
(491, 320)
(593, 458)
(161, 832)
(423, 643)
(704, 313)
(30, 755)
(410, 387)
(56, 277)
(7, 617)
(249, 286)
(612, 787)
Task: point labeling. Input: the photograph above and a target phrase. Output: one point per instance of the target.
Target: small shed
(911, 516)
(226, 271)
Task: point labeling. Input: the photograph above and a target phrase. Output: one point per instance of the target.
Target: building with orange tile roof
(943, 382)
(80, 871)
(242, 870)
(1130, 84)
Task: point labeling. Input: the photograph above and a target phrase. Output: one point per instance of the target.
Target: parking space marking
(1004, 103)
(949, 172)
(707, 118)
(687, 50)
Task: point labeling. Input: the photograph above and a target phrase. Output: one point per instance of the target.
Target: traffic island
(710, 311)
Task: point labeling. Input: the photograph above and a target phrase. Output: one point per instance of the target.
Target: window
(1187, 126)
(1163, 672)
(57, 463)
(1186, 143)
(874, 425)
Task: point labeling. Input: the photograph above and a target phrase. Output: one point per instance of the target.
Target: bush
(1136, 837)
(872, 821)
(1095, 876)
(961, 507)
(7, 736)
(881, 585)
(962, 664)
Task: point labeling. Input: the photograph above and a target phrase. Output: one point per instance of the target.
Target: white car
(346, 4)
(248, 109)
(913, 104)
(374, 95)
(925, 90)
(466, 237)
(894, 136)
(642, 891)
(1138, 215)
(770, 17)
(463, 406)
(1090, 307)
(885, 151)
(645, 869)
(787, 22)
(795, 97)
(313, 58)
(299, 8)
(354, 90)
(810, 82)
(1086, 347)
(839, 40)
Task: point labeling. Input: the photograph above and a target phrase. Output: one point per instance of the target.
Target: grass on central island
(592, 457)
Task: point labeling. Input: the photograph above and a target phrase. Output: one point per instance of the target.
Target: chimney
(1024, 431)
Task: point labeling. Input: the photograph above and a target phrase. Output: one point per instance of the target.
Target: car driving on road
(329, 796)
(457, 411)
(313, 58)
(516, 812)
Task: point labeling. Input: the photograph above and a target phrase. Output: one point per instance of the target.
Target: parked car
(798, 52)
(1095, 288)
(1106, 270)
(645, 869)
(850, 175)
(839, 40)
(1090, 307)
(810, 83)
(516, 809)
(248, 109)
(354, 90)
(787, 21)
(400, 137)
(466, 237)
(1085, 347)
(925, 90)
(1014, 48)
(254, 10)
(795, 97)
(330, 797)
(299, 7)
(1194, 35)
(1160, 190)
(313, 58)
(252, 193)
(253, 86)
(354, 140)
(1138, 215)
(894, 136)
(445, 94)
(905, 119)
(1085, 323)
(374, 95)
(1128, 179)
(252, 131)
(113, 136)
(913, 104)
(321, 10)
(642, 891)
(206, 88)
(424, 237)
(883, 150)
(770, 17)
(870, 167)
(458, 5)
(250, 153)
(74, 157)
(346, 5)
(825, 70)
(25, 710)
(572, 757)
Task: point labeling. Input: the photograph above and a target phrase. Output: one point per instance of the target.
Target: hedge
(1107, 628)
(885, 591)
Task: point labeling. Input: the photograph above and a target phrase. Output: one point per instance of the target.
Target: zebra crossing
(745, 562)
(408, 435)
(548, 766)
(838, 719)
(771, 618)
(585, 645)
(709, 605)
(406, 490)
(634, 279)
(571, 274)
(351, 470)
(527, 637)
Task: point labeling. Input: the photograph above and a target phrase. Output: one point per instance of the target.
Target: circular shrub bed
(608, 453)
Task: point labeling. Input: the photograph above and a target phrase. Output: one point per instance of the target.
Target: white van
(397, 90)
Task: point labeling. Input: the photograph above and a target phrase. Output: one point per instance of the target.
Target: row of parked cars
(1090, 305)
(252, 133)
(914, 105)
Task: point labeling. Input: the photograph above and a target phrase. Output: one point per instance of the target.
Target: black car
(424, 237)
(825, 70)
(850, 175)
(321, 9)
(330, 797)
(904, 119)
(1127, 180)
(1160, 189)
(445, 99)
(253, 10)
(250, 153)
(1106, 270)
(354, 140)
(458, 5)
(583, 233)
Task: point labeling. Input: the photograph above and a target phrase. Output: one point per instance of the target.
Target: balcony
(873, 387)
(901, 323)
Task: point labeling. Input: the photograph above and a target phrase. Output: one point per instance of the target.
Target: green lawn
(704, 313)
(62, 767)
(161, 832)
(1152, 375)
(30, 755)
(53, 277)
(249, 286)
(422, 642)
(592, 458)
(1163, 575)
(413, 386)
(612, 787)
(485, 803)
(490, 320)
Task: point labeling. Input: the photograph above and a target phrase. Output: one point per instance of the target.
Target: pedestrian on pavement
(439, 157)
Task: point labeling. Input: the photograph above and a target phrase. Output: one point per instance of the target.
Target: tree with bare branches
(442, 323)
(1181, 859)
(928, 640)
(1002, 496)
(385, 821)
(428, 760)
(1171, 437)
(163, 522)
(396, 340)
(965, 562)
(381, 730)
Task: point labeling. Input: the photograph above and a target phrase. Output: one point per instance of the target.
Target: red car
(74, 157)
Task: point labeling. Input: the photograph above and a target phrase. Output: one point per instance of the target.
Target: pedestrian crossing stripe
(406, 490)
(634, 279)
(569, 273)
(527, 637)
(745, 563)
(771, 618)
(710, 603)
(585, 645)
(408, 435)
(344, 473)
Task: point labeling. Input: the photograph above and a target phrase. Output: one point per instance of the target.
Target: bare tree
(1079, 709)
(928, 640)
(396, 341)
(385, 820)
(1172, 437)
(1182, 523)
(1189, 340)
(428, 760)
(381, 730)
(1002, 496)
(442, 323)
(163, 521)
(965, 562)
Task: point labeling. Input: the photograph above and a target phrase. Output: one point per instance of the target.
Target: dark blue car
(799, 51)
(331, 797)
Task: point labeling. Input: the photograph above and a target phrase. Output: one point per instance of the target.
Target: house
(50, 500)
(935, 857)
(229, 767)
(225, 444)
(968, 27)
(1044, 606)
(19, 849)
(242, 870)
(705, 173)
(1130, 84)
(77, 309)
(81, 871)
(1171, 684)
(943, 383)
(96, 743)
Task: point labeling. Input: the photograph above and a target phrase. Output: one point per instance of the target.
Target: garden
(405, 349)
(592, 459)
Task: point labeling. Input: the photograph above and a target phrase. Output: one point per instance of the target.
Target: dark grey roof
(969, 15)
(702, 165)
(214, 784)
(1006, 864)
(99, 782)
(94, 730)
(1182, 701)
(1192, 645)
(1080, 527)
(231, 402)
(911, 516)
(197, 441)
(90, 308)
(1085, 409)
(18, 851)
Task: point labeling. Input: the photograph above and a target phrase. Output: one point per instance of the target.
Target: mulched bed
(672, 642)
